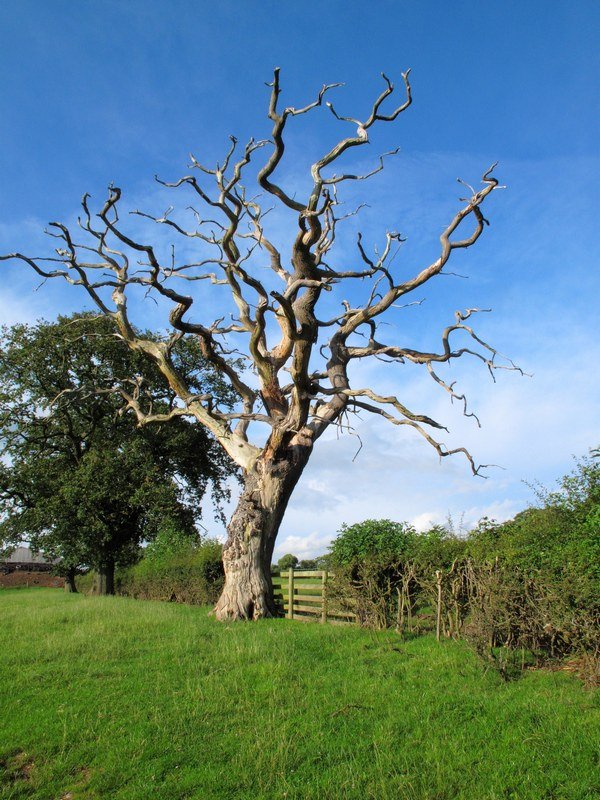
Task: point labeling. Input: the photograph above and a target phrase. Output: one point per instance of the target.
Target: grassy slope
(122, 699)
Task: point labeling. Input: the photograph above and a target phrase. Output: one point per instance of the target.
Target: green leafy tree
(308, 563)
(288, 561)
(379, 540)
(80, 480)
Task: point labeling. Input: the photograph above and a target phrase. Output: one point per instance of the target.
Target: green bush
(528, 587)
(436, 548)
(176, 569)
(379, 540)
(85, 582)
(384, 569)
(546, 595)
(561, 537)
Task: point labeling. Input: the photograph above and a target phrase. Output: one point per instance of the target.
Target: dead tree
(276, 326)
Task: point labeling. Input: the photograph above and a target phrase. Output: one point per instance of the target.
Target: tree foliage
(288, 560)
(379, 540)
(79, 480)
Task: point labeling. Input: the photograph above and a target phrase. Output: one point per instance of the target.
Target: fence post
(291, 593)
(400, 610)
(438, 626)
(324, 596)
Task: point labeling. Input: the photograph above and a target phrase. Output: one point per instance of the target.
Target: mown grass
(113, 698)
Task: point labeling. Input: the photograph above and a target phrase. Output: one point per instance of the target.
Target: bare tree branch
(287, 364)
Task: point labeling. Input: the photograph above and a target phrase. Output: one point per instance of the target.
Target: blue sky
(103, 91)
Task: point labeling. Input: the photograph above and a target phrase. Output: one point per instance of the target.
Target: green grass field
(116, 699)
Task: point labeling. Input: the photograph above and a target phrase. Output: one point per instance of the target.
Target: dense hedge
(176, 570)
(172, 568)
(530, 586)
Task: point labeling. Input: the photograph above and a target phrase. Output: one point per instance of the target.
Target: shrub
(379, 540)
(518, 611)
(544, 591)
(384, 570)
(176, 569)
(524, 590)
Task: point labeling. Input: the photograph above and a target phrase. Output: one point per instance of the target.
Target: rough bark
(252, 531)
(105, 578)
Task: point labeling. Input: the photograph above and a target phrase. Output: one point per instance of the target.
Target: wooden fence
(303, 594)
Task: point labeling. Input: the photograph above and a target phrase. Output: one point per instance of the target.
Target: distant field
(116, 699)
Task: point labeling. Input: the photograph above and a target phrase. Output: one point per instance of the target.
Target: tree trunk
(247, 554)
(70, 585)
(105, 578)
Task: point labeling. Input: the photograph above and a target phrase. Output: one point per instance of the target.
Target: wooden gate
(302, 594)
